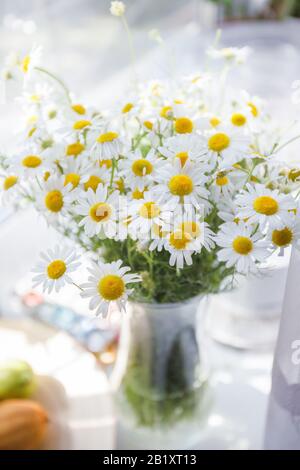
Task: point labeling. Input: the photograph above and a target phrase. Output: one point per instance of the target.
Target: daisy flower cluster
(184, 182)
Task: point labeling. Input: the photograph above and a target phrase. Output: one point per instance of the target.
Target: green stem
(131, 48)
(76, 285)
(57, 79)
(287, 143)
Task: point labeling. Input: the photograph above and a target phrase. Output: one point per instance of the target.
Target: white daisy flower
(187, 239)
(185, 147)
(136, 193)
(95, 176)
(159, 235)
(225, 183)
(54, 269)
(233, 55)
(199, 230)
(30, 163)
(155, 128)
(74, 147)
(139, 171)
(129, 109)
(30, 61)
(55, 198)
(185, 185)
(241, 118)
(99, 212)
(38, 95)
(117, 8)
(78, 111)
(147, 213)
(75, 171)
(286, 236)
(284, 175)
(108, 145)
(81, 127)
(108, 283)
(226, 145)
(254, 103)
(10, 186)
(264, 206)
(222, 185)
(210, 121)
(240, 248)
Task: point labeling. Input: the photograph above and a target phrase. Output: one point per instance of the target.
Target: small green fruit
(17, 380)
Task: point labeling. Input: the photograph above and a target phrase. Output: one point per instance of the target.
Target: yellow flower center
(32, 161)
(179, 239)
(137, 194)
(56, 269)
(191, 228)
(120, 185)
(72, 178)
(196, 79)
(128, 107)
(79, 109)
(93, 183)
(107, 163)
(149, 210)
(265, 205)
(238, 119)
(166, 112)
(242, 245)
(183, 125)
(221, 179)
(254, 109)
(142, 167)
(219, 142)
(54, 200)
(9, 182)
(111, 287)
(183, 157)
(74, 149)
(35, 98)
(181, 185)
(294, 175)
(78, 125)
(26, 63)
(107, 137)
(148, 125)
(100, 212)
(282, 237)
(47, 175)
(52, 114)
(214, 122)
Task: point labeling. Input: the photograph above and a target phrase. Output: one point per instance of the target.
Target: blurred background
(86, 47)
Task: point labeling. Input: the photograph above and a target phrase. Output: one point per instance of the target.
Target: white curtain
(283, 421)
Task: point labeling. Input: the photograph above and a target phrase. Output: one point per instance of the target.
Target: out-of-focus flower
(230, 54)
(117, 8)
(154, 34)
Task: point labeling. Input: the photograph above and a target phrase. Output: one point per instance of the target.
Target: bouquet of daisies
(182, 183)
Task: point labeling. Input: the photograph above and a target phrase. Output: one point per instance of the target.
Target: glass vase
(162, 391)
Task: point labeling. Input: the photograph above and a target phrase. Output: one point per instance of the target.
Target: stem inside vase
(165, 380)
